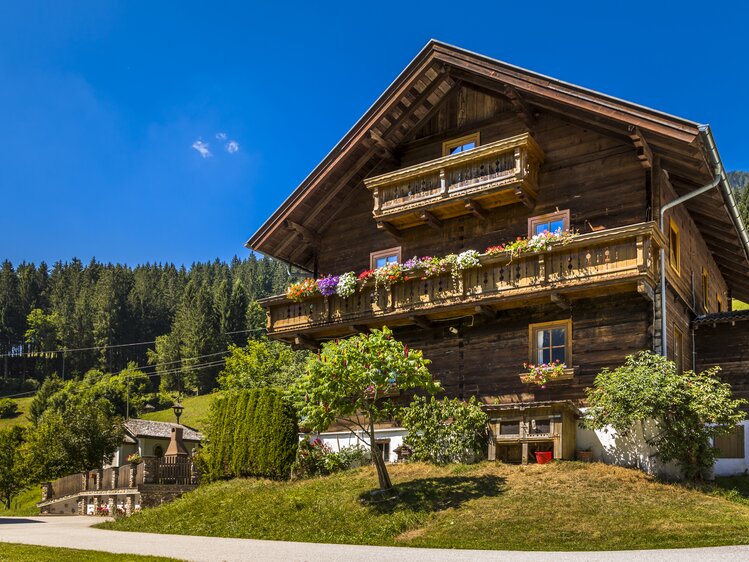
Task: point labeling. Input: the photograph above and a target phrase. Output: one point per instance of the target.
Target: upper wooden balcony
(621, 258)
(496, 174)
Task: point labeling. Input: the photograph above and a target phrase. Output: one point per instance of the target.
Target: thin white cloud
(202, 148)
(221, 136)
(232, 146)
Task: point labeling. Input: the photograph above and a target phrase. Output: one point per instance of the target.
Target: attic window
(456, 146)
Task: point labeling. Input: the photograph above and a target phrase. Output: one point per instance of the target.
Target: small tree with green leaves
(12, 470)
(262, 363)
(445, 431)
(354, 382)
(688, 409)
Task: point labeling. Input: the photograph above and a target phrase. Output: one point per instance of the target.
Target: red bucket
(542, 457)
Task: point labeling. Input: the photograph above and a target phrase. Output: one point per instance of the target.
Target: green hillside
(20, 419)
(562, 506)
(194, 415)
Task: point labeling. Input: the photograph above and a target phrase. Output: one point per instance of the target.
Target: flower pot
(584, 456)
(543, 457)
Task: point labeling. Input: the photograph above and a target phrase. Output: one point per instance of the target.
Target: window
(384, 446)
(674, 247)
(456, 146)
(551, 222)
(384, 257)
(705, 289)
(678, 350)
(731, 445)
(158, 452)
(509, 427)
(540, 426)
(551, 341)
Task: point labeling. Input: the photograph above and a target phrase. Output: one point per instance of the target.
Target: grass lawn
(18, 552)
(738, 305)
(24, 503)
(561, 506)
(195, 413)
(20, 419)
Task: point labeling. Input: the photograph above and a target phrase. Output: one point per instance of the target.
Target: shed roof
(147, 428)
(722, 317)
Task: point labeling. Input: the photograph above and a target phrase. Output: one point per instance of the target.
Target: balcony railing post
(542, 268)
(443, 183)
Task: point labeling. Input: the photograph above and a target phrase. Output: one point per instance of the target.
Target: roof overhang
(685, 148)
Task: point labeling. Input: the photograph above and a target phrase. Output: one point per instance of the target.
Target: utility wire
(66, 351)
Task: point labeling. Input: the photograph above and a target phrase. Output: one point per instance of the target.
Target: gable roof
(686, 149)
(135, 427)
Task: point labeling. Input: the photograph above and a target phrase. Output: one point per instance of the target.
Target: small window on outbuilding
(158, 451)
(384, 446)
(384, 257)
(511, 427)
(674, 247)
(462, 144)
(551, 222)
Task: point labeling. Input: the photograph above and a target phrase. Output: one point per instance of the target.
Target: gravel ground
(76, 532)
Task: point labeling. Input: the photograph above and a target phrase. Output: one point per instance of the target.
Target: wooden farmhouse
(463, 152)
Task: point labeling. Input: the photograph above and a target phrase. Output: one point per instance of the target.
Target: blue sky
(102, 103)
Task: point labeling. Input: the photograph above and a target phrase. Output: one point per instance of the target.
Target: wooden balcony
(496, 174)
(589, 264)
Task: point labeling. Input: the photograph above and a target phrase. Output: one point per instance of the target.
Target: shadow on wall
(629, 450)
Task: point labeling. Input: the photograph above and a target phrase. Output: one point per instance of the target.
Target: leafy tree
(445, 431)
(80, 438)
(689, 409)
(262, 363)
(41, 399)
(352, 382)
(41, 330)
(12, 471)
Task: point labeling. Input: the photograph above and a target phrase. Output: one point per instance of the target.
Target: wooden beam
(305, 341)
(520, 106)
(524, 199)
(561, 301)
(646, 290)
(390, 229)
(386, 147)
(312, 238)
(486, 311)
(431, 220)
(476, 209)
(644, 153)
(422, 322)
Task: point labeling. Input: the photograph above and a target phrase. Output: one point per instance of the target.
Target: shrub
(445, 431)
(689, 409)
(250, 433)
(315, 458)
(8, 408)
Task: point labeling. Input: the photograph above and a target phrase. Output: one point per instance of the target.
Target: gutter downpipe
(666, 207)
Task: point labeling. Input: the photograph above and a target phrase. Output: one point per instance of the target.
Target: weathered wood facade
(533, 146)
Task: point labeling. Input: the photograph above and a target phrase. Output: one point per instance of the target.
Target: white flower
(346, 285)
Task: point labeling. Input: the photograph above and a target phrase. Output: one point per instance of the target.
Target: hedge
(250, 433)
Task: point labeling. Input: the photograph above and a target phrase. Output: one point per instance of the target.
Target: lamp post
(178, 408)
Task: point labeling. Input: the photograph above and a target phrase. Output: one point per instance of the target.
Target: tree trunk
(382, 471)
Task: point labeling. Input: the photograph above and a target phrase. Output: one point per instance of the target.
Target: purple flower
(327, 285)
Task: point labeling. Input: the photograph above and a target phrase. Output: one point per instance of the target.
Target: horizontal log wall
(487, 358)
(598, 178)
(726, 345)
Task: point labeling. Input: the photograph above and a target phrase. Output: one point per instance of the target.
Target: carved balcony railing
(620, 256)
(496, 174)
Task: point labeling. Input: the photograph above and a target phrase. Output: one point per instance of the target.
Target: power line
(206, 365)
(77, 349)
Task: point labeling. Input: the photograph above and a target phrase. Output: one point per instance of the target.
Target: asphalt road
(75, 532)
